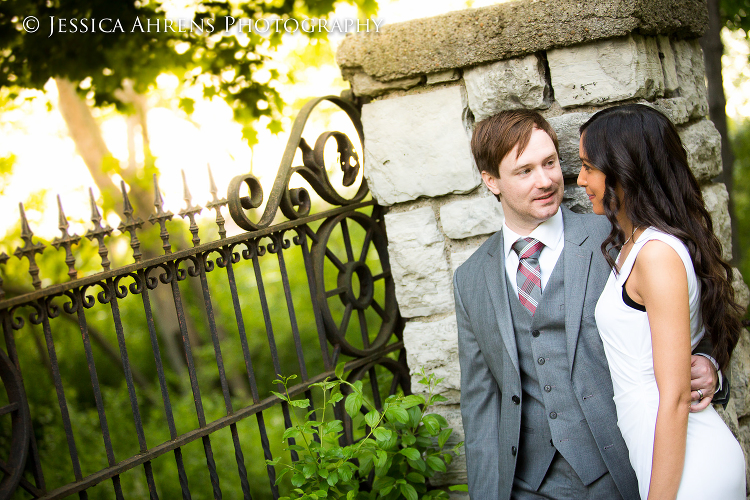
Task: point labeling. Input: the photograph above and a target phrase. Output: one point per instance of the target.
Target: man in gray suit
(536, 393)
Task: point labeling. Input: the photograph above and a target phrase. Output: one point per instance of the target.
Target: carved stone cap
(474, 36)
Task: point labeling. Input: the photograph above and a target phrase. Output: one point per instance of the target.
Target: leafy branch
(403, 445)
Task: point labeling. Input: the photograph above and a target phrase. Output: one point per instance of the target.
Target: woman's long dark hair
(637, 148)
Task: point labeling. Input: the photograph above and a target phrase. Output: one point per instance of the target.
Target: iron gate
(153, 415)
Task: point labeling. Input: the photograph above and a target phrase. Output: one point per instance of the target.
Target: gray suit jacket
(488, 355)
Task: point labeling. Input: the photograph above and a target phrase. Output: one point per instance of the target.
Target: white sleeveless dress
(714, 462)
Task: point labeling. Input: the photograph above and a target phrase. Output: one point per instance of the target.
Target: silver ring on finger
(700, 394)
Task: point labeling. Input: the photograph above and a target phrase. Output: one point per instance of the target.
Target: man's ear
(492, 182)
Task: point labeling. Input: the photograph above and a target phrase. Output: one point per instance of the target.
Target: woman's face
(591, 179)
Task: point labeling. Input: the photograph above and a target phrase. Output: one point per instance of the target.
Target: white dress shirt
(550, 233)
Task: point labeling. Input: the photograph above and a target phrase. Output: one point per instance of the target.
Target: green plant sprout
(402, 448)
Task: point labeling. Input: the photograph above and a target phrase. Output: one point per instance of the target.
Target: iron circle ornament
(355, 287)
(20, 424)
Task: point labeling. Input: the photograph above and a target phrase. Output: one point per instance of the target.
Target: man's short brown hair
(496, 136)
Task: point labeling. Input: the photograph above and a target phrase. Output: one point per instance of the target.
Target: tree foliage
(734, 14)
(219, 62)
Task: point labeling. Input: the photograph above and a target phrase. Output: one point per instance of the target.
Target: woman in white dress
(668, 287)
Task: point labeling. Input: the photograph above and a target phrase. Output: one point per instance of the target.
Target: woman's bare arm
(659, 281)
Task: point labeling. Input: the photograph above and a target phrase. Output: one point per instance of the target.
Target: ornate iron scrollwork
(18, 410)
(295, 202)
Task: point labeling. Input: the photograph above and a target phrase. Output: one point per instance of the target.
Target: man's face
(531, 185)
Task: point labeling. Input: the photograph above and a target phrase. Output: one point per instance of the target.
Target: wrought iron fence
(150, 421)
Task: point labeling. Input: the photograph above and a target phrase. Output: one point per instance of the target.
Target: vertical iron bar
(310, 270)
(222, 375)
(250, 372)
(271, 341)
(114, 305)
(83, 325)
(194, 382)
(163, 385)
(290, 309)
(61, 395)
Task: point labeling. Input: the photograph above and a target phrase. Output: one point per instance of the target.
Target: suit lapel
(498, 292)
(577, 261)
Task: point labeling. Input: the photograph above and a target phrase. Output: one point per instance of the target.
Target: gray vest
(551, 418)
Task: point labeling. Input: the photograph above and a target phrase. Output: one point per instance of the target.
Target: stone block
(433, 346)
(456, 473)
(471, 217)
(716, 198)
(575, 199)
(703, 145)
(566, 126)
(510, 84)
(668, 65)
(417, 146)
(443, 76)
(740, 375)
(458, 257)
(606, 71)
(744, 439)
(741, 291)
(466, 38)
(691, 75)
(366, 86)
(420, 270)
(678, 109)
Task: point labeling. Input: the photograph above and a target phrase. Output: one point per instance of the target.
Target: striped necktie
(529, 275)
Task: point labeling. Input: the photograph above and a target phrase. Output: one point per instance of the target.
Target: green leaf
(412, 400)
(382, 434)
(418, 464)
(335, 398)
(291, 432)
(340, 370)
(397, 414)
(409, 492)
(443, 437)
(353, 404)
(431, 424)
(407, 438)
(415, 477)
(415, 414)
(309, 470)
(435, 463)
(437, 398)
(298, 479)
(380, 458)
(372, 418)
(410, 453)
(383, 484)
(323, 473)
(300, 403)
(280, 396)
(333, 478)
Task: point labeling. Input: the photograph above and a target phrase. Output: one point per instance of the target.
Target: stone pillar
(423, 84)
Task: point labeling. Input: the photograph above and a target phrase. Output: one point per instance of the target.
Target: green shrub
(402, 448)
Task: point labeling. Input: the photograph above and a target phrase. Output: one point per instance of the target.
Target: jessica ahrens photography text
(206, 26)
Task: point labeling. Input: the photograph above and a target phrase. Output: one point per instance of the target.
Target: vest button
(535, 333)
(553, 415)
(540, 361)
(547, 388)
(516, 399)
(513, 450)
